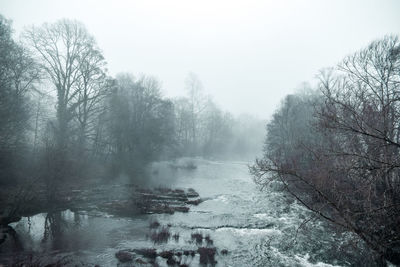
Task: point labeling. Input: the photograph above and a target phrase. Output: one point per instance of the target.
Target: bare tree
(183, 124)
(347, 169)
(93, 87)
(216, 131)
(140, 123)
(69, 56)
(18, 76)
(197, 104)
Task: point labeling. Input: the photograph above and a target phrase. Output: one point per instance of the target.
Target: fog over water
(200, 133)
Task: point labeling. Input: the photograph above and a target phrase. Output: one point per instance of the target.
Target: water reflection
(69, 231)
(57, 230)
(55, 226)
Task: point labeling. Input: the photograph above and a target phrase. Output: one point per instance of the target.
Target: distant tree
(343, 161)
(141, 123)
(18, 75)
(216, 131)
(196, 104)
(204, 129)
(183, 125)
(243, 146)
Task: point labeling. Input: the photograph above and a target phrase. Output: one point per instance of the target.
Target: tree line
(336, 148)
(63, 118)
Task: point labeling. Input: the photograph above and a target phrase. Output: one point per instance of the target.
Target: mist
(270, 47)
(177, 133)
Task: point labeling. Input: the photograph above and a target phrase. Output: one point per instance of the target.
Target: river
(257, 228)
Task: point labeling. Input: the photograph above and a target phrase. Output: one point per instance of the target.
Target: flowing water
(258, 228)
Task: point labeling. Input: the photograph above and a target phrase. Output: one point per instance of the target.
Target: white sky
(249, 54)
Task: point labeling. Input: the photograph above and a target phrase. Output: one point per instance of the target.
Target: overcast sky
(248, 54)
